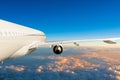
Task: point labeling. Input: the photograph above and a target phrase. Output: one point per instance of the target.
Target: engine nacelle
(57, 49)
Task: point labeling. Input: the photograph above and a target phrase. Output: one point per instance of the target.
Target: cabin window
(9, 33)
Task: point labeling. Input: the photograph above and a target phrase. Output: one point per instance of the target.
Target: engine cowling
(57, 49)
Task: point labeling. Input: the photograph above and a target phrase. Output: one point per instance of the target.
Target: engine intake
(57, 49)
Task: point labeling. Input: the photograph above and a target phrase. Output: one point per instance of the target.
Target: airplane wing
(107, 40)
(58, 45)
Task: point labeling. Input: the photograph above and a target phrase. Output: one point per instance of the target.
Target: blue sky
(66, 19)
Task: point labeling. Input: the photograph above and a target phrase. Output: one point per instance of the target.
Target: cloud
(16, 68)
(94, 64)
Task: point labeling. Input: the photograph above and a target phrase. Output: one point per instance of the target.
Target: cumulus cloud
(95, 64)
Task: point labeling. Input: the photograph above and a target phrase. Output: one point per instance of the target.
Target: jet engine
(57, 49)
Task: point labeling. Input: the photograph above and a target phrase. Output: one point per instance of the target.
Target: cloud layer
(88, 64)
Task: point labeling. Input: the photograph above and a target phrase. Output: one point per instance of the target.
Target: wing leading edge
(76, 42)
(57, 46)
